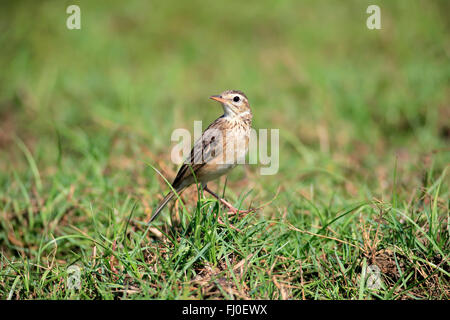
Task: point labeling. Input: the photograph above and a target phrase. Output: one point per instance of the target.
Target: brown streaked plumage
(221, 147)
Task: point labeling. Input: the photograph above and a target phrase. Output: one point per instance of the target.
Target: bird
(222, 146)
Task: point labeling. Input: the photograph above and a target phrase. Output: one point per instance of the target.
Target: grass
(86, 116)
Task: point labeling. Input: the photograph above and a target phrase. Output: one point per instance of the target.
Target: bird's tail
(161, 205)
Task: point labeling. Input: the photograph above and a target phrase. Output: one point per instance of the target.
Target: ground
(86, 118)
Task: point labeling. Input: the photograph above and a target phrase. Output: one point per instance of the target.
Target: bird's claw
(227, 225)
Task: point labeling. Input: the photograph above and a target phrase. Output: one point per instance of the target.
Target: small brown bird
(222, 146)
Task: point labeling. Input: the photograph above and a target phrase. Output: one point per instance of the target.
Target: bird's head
(234, 103)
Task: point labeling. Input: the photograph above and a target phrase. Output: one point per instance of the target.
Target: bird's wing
(208, 147)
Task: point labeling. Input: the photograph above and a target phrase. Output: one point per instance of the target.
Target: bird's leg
(219, 220)
(232, 209)
(224, 202)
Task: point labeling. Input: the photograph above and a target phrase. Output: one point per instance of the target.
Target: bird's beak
(218, 98)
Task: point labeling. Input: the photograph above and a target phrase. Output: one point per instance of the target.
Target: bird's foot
(227, 225)
(240, 213)
(233, 210)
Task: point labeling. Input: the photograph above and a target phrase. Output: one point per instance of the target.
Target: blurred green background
(141, 69)
(81, 111)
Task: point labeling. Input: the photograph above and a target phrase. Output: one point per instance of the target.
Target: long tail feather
(161, 205)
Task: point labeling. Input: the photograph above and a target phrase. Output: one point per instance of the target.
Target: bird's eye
(236, 99)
